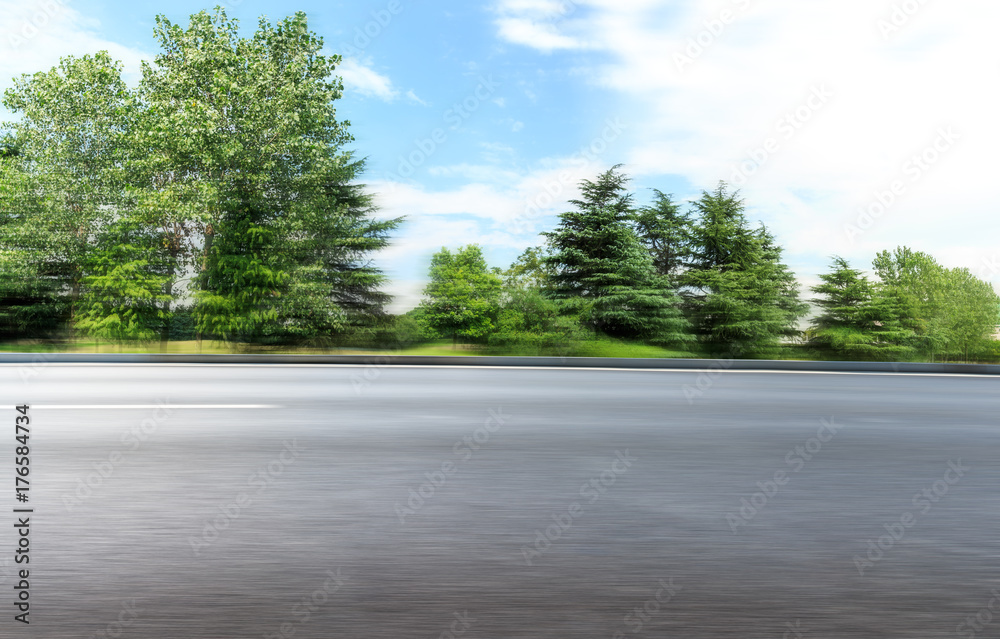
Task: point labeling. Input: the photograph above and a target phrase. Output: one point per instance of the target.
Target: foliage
(858, 321)
(463, 295)
(224, 168)
(64, 182)
(665, 232)
(952, 314)
(597, 256)
(739, 295)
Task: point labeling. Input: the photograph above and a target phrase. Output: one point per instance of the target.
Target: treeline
(702, 281)
(214, 200)
(915, 309)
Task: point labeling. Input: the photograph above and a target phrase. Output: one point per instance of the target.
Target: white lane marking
(532, 368)
(142, 406)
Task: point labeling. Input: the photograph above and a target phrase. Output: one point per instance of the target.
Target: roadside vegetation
(214, 208)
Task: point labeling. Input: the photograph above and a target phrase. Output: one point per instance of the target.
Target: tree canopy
(463, 295)
(597, 256)
(221, 182)
(740, 296)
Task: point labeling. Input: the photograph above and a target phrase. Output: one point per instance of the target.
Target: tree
(530, 318)
(31, 304)
(66, 179)
(916, 283)
(463, 295)
(720, 237)
(739, 295)
(246, 130)
(225, 167)
(596, 256)
(857, 322)
(530, 270)
(952, 313)
(122, 303)
(791, 307)
(974, 313)
(336, 291)
(665, 232)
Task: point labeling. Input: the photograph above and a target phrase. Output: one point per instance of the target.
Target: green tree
(336, 292)
(917, 285)
(788, 301)
(665, 232)
(739, 294)
(857, 321)
(247, 130)
(31, 304)
(973, 314)
(530, 319)
(225, 167)
(530, 270)
(67, 180)
(463, 295)
(952, 313)
(597, 257)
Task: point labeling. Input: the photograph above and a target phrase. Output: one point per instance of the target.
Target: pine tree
(665, 232)
(741, 298)
(858, 321)
(597, 257)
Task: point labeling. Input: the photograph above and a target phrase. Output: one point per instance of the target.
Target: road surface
(280, 501)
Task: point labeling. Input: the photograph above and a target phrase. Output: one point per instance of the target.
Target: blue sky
(849, 127)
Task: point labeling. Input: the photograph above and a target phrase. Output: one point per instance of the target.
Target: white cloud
(537, 8)
(406, 294)
(890, 96)
(413, 97)
(544, 25)
(475, 173)
(504, 197)
(360, 77)
(538, 35)
(500, 209)
(34, 35)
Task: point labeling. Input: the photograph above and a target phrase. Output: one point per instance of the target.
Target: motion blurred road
(176, 501)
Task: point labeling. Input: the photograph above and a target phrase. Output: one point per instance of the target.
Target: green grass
(612, 348)
(84, 346)
(214, 348)
(597, 348)
(441, 349)
(593, 348)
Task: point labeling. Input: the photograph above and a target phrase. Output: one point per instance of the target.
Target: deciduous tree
(463, 296)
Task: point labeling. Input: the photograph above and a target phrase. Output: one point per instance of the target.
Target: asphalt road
(257, 501)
